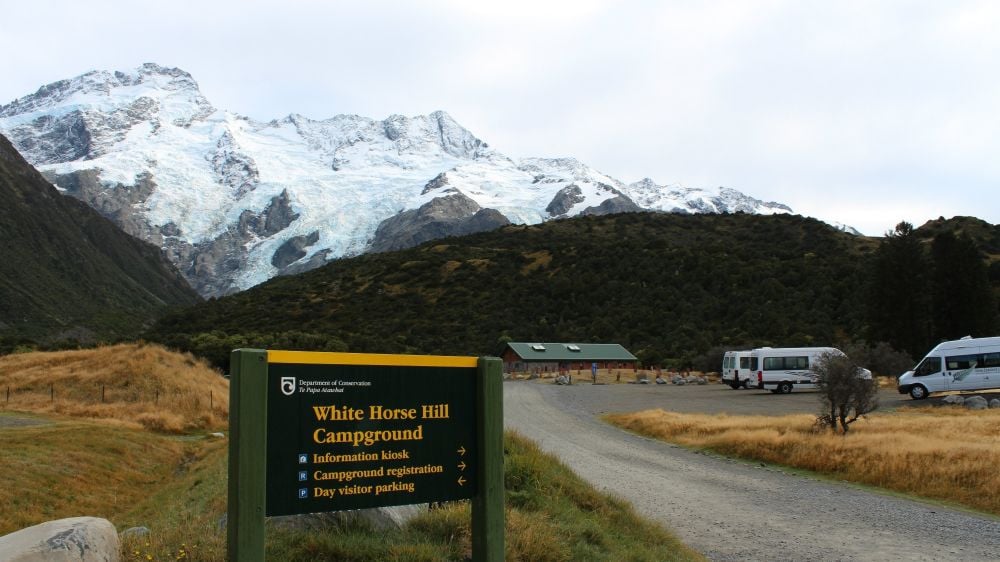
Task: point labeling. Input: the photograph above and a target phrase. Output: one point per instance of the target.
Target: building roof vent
(573, 347)
(538, 347)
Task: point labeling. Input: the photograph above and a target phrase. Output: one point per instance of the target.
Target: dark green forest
(673, 289)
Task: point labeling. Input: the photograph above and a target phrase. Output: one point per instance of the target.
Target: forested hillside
(668, 287)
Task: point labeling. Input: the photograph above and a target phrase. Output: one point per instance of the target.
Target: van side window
(929, 366)
(785, 363)
(962, 362)
(753, 363)
(745, 362)
(990, 360)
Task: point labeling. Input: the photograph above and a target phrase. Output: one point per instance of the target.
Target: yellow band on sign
(385, 360)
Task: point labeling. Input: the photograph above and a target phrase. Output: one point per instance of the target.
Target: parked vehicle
(739, 368)
(780, 369)
(965, 364)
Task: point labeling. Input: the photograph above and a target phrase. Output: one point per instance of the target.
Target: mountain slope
(235, 201)
(66, 271)
(666, 286)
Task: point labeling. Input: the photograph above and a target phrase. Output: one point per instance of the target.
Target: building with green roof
(551, 357)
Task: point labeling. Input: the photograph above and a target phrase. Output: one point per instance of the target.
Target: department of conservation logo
(288, 386)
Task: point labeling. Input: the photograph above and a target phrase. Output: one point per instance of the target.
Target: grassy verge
(176, 487)
(948, 454)
(67, 468)
(141, 457)
(552, 515)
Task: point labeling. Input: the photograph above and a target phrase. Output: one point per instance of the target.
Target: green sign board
(314, 432)
(349, 431)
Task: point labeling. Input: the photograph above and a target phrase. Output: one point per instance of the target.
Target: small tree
(846, 394)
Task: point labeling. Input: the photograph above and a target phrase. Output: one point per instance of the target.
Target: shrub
(846, 395)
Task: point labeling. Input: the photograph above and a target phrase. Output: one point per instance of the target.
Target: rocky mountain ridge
(234, 201)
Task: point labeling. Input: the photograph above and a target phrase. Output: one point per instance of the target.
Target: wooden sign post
(317, 432)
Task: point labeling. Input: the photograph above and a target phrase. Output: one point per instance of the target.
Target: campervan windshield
(929, 366)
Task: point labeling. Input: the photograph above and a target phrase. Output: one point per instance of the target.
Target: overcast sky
(862, 112)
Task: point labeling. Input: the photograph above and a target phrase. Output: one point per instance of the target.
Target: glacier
(223, 193)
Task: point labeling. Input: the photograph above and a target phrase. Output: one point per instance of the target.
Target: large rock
(77, 539)
(953, 399)
(565, 199)
(451, 215)
(976, 403)
(614, 205)
(378, 519)
(995, 403)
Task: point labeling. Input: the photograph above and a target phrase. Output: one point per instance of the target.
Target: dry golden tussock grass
(943, 453)
(136, 384)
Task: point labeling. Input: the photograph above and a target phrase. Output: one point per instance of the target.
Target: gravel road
(729, 509)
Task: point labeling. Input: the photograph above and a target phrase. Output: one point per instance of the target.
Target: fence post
(52, 392)
(157, 399)
(211, 401)
(102, 393)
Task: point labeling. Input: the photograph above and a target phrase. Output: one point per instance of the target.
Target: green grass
(176, 487)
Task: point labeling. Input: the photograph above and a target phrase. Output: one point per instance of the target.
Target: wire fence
(105, 394)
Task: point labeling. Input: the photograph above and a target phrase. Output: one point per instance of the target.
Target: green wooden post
(247, 448)
(488, 506)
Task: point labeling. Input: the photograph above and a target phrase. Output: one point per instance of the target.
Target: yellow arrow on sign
(461, 481)
(461, 465)
(461, 450)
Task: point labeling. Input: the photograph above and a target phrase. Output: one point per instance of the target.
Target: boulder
(701, 380)
(135, 532)
(976, 403)
(77, 539)
(995, 403)
(953, 399)
(378, 519)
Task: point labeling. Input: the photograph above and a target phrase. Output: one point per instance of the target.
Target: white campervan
(738, 369)
(780, 369)
(965, 364)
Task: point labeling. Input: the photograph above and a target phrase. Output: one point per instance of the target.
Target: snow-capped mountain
(679, 199)
(235, 201)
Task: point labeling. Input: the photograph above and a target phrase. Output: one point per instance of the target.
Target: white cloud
(862, 112)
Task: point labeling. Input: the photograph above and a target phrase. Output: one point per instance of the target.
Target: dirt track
(734, 510)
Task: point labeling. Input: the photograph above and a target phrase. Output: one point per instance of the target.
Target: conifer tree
(899, 307)
(963, 297)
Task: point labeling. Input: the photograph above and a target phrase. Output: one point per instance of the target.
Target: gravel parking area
(707, 399)
(730, 509)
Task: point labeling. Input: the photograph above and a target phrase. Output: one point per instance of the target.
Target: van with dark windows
(965, 364)
(780, 369)
(739, 368)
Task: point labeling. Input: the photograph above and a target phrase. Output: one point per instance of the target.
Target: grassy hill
(665, 286)
(66, 272)
(135, 384)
